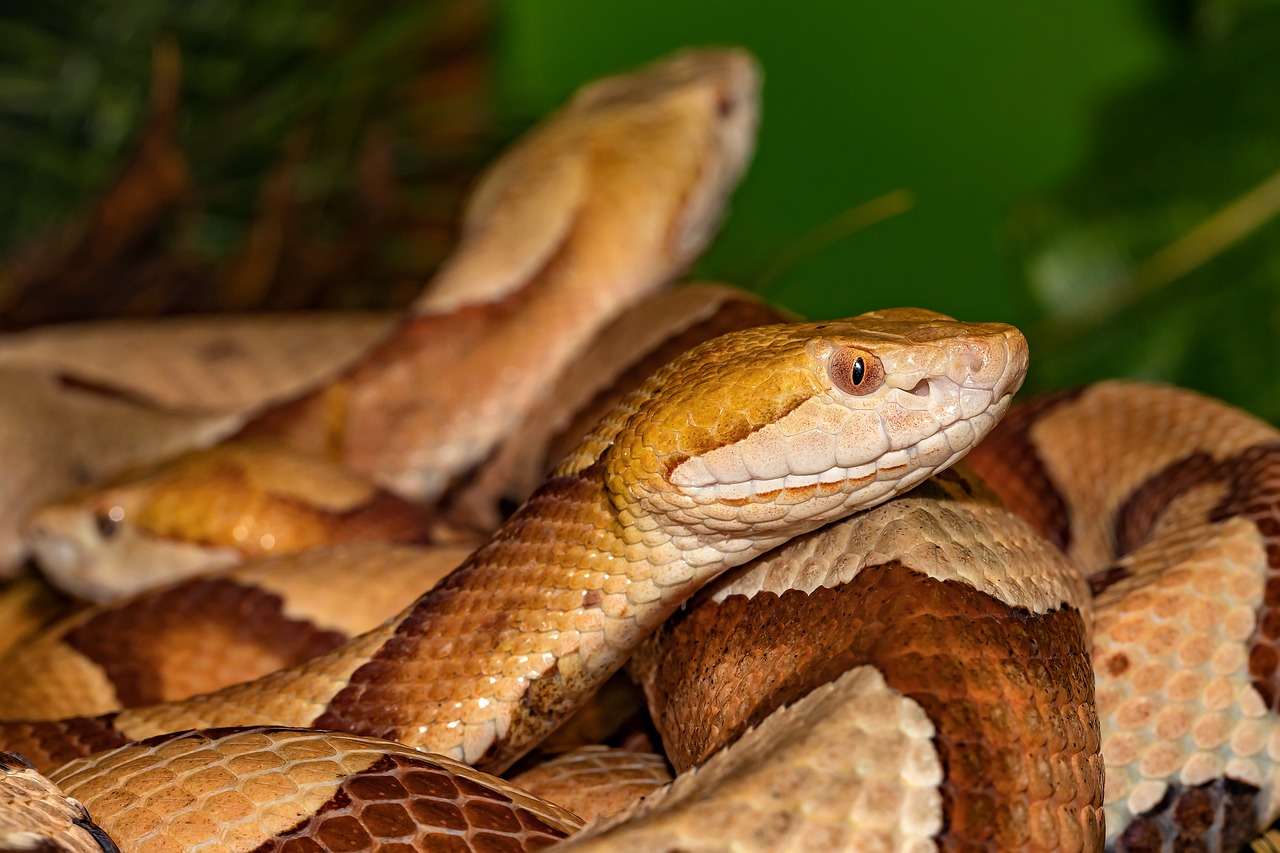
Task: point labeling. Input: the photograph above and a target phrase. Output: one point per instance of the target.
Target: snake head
(763, 434)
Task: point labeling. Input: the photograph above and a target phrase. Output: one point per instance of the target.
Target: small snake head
(91, 546)
(199, 511)
(760, 435)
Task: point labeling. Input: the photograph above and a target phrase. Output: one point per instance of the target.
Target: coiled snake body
(942, 678)
(965, 714)
(729, 451)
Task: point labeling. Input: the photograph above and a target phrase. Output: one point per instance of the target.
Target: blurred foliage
(317, 91)
(967, 107)
(1160, 258)
(1204, 21)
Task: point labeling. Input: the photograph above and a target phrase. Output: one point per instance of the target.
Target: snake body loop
(1165, 502)
(944, 642)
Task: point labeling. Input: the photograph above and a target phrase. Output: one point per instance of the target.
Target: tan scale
(35, 815)
(783, 787)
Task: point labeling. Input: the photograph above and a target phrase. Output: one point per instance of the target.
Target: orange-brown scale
(48, 744)
(1011, 693)
(570, 510)
(245, 788)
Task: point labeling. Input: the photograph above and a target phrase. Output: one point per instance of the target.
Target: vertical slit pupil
(859, 369)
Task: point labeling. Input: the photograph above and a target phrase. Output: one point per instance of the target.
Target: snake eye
(855, 371)
(108, 523)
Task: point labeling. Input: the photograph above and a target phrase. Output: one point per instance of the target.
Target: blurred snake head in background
(96, 535)
(639, 162)
(203, 510)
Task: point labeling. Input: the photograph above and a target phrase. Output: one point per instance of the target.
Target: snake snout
(996, 361)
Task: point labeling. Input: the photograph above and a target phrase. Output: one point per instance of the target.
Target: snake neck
(537, 619)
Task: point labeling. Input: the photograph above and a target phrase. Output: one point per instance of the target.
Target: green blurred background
(1101, 173)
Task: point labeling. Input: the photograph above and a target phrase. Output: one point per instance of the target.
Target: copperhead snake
(1165, 522)
(1170, 536)
(650, 491)
(240, 500)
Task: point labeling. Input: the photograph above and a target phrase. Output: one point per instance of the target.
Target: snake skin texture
(958, 606)
(621, 523)
(1172, 514)
(963, 639)
(211, 632)
(290, 790)
(783, 787)
(143, 650)
(36, 816)
(595, 781)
